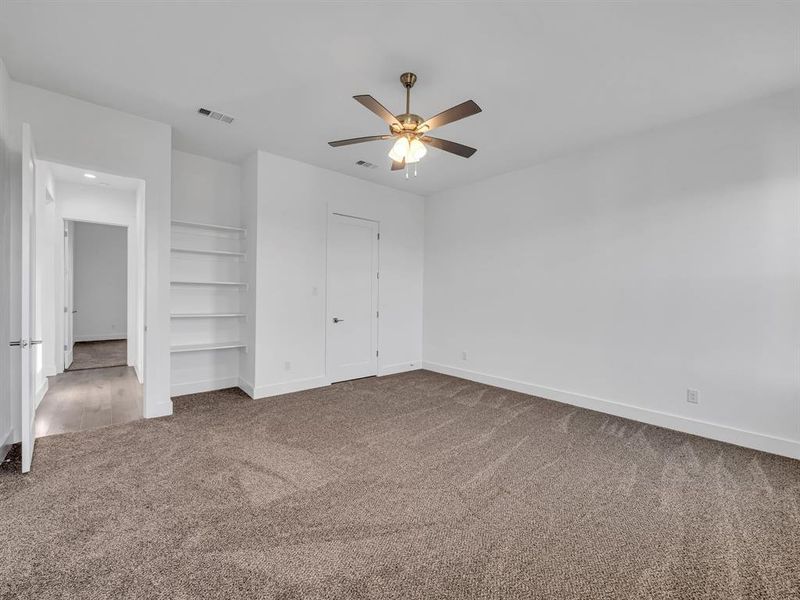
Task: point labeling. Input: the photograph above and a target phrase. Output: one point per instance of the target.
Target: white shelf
(202, 347)
(213, 252)
(210, 283)
(207, 315)
(209, 226)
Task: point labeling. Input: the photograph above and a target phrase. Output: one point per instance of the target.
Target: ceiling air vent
(366, 165)
(217, 116)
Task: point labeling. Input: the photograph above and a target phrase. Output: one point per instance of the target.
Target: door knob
(35, 342)
(337, 320)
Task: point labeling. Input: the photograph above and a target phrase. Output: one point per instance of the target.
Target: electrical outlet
(691, 396)
(287, 365)
(464, 355)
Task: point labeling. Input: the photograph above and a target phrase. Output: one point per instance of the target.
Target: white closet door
(352, 298)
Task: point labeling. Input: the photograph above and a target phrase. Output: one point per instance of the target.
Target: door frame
(68, 284)
(377, 294)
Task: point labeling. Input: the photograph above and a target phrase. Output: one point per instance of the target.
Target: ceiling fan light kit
(410, 131)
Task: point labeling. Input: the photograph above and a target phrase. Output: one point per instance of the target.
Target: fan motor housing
(409, 121)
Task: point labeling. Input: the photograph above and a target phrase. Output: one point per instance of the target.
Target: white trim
(41, 392)
(138, 373)
(246, 387)
(723, 433)
(158, 409)
(100, 337)
(403, 367)
(206, 385)
(287, 387)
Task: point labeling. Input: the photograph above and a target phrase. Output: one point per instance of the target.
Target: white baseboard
(723, 433)
(402, 367)
(138, 373)
(41, 392)
(101, 337)
(158, 409)
(287, 387)
(246, 387)
(50, 370)
(206, 385)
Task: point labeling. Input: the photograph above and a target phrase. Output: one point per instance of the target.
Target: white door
(69, 311)
(28, 298)
(352, 329)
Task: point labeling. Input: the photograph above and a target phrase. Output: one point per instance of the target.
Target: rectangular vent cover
(366, 165)
(217, 116)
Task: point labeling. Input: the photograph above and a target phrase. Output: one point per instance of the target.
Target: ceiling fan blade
(449, 146)
(369, 138)
(398, 165)
(465, 109)
(379, 109)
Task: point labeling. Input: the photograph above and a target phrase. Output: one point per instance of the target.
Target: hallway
(86, 399)
(94, 355)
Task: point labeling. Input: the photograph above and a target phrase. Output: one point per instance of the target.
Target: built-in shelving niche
(208, 282)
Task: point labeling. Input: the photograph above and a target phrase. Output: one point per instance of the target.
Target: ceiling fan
(410, 130)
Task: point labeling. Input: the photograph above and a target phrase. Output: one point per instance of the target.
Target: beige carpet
(414, 486)
(96, 355)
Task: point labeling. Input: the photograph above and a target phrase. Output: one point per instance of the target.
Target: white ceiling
(70, 174)
(549, 76)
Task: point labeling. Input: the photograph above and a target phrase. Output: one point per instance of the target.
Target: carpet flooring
(413, 486)
(96, 355)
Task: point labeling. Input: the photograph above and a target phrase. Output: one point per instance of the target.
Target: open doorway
(94, 269)
(95, 286)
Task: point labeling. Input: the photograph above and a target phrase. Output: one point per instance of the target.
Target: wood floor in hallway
(80, 400)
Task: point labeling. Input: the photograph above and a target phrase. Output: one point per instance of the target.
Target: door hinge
(65, 309)
(65, 347)
(379, 236)
(379, 275)
(65, 233)
(376, 353)
(377, 314)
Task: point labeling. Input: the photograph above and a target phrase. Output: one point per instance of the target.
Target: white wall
(97, 204)
(206, 191)
(287, 206)
(89, 136)
(44, 354)
(6, 411)
(100, 269)
(618, 277)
